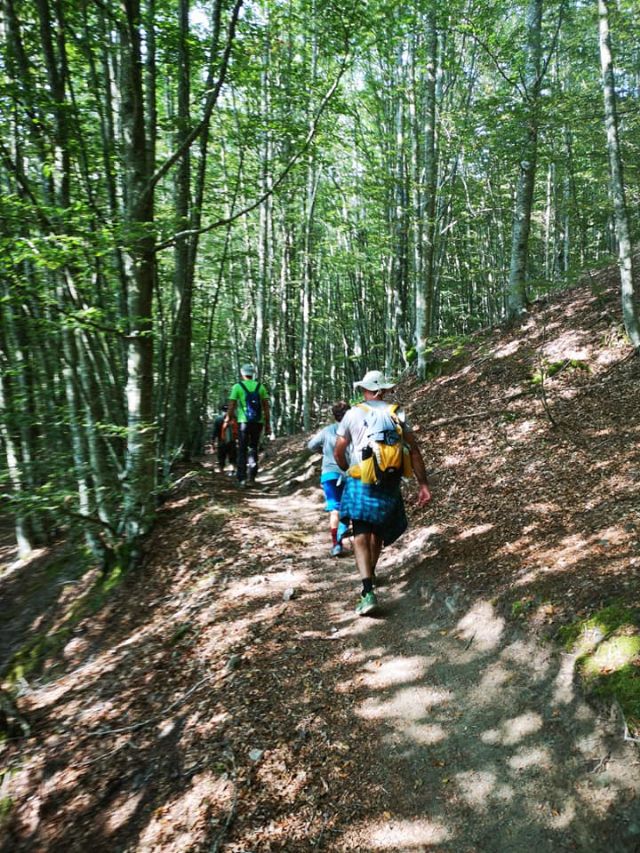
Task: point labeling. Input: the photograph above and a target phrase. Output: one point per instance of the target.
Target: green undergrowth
(552, 368)
(443, 356)
(6, 805)
(45, 647)
(608, 648)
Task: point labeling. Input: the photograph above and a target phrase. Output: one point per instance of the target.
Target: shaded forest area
(321, 188)
(224, 696)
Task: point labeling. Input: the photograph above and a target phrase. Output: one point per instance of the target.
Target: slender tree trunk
(425, 285)
(139, 265)
(180, 369)
(517, 298)
(630, 308)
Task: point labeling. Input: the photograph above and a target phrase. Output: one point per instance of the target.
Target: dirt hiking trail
(219, 716)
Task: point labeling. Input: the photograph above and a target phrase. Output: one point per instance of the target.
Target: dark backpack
(252, 403)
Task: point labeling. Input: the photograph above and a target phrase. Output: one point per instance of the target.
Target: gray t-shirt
(325, 440)
(353, 426)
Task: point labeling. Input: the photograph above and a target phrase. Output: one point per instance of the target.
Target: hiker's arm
(316, 442)
(424, 494)
(340, 452)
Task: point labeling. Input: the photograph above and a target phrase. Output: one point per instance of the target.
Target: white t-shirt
(353, 427)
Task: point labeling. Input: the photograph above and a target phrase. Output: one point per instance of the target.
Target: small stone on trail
(256, 754)
(233, 662)
(288, 594)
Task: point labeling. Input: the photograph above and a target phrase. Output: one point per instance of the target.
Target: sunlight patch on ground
(476, 786)
(410, 703)
(396, 835)
(523, 429)
(174, 824)
(563, 686)
(528, 656)
(425, 734)
(395, 670)
(495, 677)
(513, 731)
(122, 810)
(450, 461)
(8, 568)
(535, 757)
(572, 548)
(399, 554)
(541, 507)
(561, 819)
(482, 626)
(264, 586)
(507, 349)
(568, 345)
(478, 530)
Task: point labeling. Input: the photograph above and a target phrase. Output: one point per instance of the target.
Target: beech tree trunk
(139, 266)
(517, 298)
(630, 310)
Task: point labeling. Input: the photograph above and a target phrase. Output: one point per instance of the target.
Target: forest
(445, 192)
(321, 188)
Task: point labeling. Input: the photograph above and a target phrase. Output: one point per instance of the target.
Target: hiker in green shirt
(249, 406)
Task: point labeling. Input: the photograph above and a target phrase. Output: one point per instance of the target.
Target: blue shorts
(333, 494)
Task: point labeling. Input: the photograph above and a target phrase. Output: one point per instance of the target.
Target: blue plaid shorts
(381, 507)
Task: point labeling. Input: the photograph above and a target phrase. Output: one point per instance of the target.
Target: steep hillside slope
(534, 445)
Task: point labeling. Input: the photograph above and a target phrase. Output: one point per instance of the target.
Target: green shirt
(238, 394)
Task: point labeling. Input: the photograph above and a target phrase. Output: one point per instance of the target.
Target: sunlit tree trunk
(425, 284)
(139, 266)
(517, 298)
(630, 310)
(180, 370)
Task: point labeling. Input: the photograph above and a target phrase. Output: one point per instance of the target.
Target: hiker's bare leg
(334, 518)
(363, 549)
(375, 547)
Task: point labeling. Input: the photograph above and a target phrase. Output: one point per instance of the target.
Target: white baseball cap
(248, 370)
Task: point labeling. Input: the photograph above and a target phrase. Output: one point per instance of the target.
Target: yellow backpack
(386, 458)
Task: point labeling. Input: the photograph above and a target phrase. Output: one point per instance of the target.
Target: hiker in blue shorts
(331, 477)
(375, 509)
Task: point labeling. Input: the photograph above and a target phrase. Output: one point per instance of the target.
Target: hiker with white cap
(249, 406)
(384, 449)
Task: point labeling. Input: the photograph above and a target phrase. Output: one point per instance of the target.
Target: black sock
(367, 585)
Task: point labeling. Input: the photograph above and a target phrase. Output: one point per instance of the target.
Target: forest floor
(225, 697)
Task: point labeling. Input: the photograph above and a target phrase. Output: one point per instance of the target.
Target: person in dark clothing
(225, 439)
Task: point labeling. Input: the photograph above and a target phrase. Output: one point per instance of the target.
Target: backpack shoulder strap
(392, 408)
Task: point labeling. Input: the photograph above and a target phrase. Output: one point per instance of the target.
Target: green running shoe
(367, 604)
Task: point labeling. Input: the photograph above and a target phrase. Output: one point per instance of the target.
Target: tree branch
(279, 180)
(210, 104)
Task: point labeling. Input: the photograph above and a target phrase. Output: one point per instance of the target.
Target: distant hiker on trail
(225, 437)
(249, 406)
(331, 477)
(384, 449)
